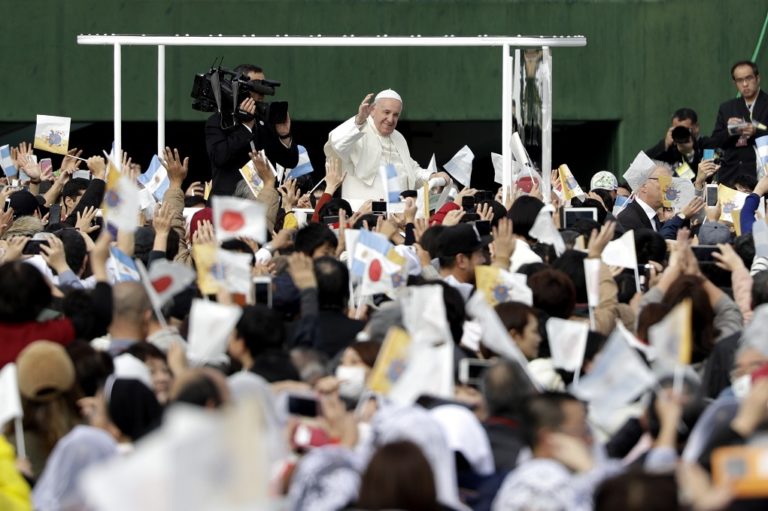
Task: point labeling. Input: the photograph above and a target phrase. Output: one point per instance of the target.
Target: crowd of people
(369, 363)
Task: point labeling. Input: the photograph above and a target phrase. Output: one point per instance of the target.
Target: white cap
(388, 94)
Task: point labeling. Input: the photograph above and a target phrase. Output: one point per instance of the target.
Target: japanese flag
(168, 278)
(233, 218)
(209, 329)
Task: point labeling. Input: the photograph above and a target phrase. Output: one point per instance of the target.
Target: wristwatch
(681, 215)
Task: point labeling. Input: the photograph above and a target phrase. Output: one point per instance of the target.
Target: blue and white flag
(155, 179)
(762, 149)
(369, 246)
(122, 266)
(7, 162)
(304, 166)
(391, 182)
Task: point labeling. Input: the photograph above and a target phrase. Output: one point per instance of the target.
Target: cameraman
(228, 146)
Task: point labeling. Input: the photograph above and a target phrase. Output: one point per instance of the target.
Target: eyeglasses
(653, 178)
(746, 79)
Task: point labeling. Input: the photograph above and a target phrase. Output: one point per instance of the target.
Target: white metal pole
(516, 81)
(506, 121)
(546, 132)
(118, 104)
(160, 99)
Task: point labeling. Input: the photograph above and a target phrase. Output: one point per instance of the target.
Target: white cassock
(363, 151)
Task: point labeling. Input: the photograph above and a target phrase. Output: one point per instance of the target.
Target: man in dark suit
(641, 213)
(739, 122)
(228, 140)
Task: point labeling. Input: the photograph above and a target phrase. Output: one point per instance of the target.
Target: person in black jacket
(739, 122)
(682, 144)
(229, 141)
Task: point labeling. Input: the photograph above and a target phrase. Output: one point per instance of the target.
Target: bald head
(131, 302)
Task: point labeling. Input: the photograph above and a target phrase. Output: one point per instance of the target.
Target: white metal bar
(546, 131)
(160, 99)
(284, 41)
(506, 122)
(516, 80)
(118, 114)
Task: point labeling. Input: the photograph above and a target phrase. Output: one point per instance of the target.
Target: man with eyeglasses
(739, 122)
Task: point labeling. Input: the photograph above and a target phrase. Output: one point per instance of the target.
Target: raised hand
(54, 254)
(364, 110)
(84, 221)
(334, 176)
(97, 166)
(70, 161)
(196, 188)
(177, 169)
(290, 194)
(262, 168)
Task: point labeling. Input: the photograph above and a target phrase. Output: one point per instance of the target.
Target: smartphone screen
(709, 154)
(304, 406)
(46, 165)
(379, 207)
(331, 219)
(712, 195)
(54, 214)
(262, 290)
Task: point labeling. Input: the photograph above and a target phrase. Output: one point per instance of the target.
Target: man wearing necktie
(642, 212)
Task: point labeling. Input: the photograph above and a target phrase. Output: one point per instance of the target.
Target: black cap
(24, 203)
(461, 239)
(681, 135)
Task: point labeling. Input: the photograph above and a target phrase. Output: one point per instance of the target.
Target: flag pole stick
(677, 382)
(21, 448)
(315, 187)
(637, 279)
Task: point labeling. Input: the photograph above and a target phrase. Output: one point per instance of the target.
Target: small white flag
(671, 338)
(209, 329)
(592, 278)
(639, 171)
(621, 252)
(460, 166)
(518, 150)
(52, 134)
(567, 342)
(432, 167)
(544, 230)
(10, 401)
(429, 369)
(618, 376)
(235, 271)
(234, 217)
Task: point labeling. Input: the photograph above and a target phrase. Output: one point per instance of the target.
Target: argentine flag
(762, 150)
(304, 166)
(372, 245)
(155, 179)
(6, 162)
(123, 268)
(391, 182)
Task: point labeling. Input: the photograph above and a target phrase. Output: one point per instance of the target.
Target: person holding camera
(228, 142)
(739, 122)
(682, 146)
(369, 141)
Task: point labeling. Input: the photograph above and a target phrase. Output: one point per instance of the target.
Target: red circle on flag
(162, 283)
(232, 221)
(374, 270)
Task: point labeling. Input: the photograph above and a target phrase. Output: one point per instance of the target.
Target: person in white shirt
(368, 142)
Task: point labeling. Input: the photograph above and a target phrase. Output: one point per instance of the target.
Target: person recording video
(230, 137)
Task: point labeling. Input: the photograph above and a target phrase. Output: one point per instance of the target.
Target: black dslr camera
(221, 90)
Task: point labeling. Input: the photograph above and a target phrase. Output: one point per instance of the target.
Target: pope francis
(368, 142)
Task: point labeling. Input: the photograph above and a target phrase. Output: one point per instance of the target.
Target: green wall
(643, 58)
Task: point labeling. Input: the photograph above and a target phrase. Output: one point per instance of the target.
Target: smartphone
(471, 370)
(742, 468)
(33, 247)
(644, 272)
(46, 165)
(331, 219)
(54, 214)
(305, 406)
(709, 154)
(711, 195)
(468, 204)
(483, 227)
(379, 207)
(262, 290)
(278, 112)
(7, 204)
(82, 174)
(704, 253)
(484, 196)
(570, 216)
